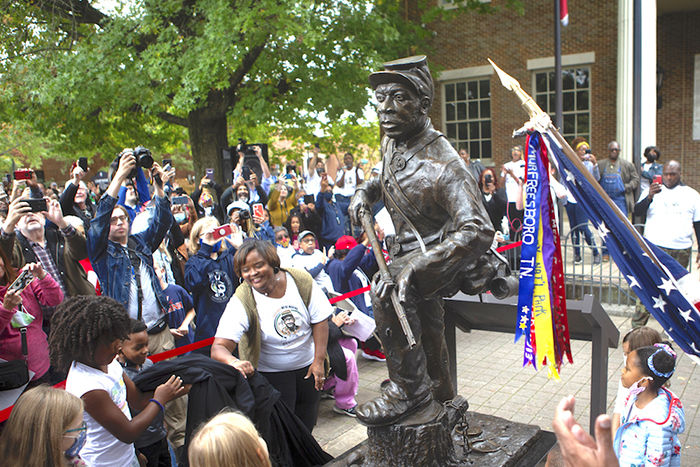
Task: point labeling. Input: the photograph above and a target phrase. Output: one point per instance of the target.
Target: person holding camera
(75, 199)
(494, 198)
(282, 200)
(124, 262)
(251, 225)
(134, 192)
(26, 237)
(243, 174)
(204, 200)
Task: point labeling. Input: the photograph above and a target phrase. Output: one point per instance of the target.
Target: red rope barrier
(510, 246)
(349, 294)
(159, 357)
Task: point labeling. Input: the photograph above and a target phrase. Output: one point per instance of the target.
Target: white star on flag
(570, 176)
(633, 281)
(602, 230)
(686, 315)
(667, 285)
(659, 303)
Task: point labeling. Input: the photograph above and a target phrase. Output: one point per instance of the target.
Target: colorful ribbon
(542, 315)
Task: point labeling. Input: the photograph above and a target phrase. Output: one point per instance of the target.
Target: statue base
(452, 437)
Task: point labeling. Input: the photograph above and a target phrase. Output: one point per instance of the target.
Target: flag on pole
(667, 290)
(564, 12)
(542, 318)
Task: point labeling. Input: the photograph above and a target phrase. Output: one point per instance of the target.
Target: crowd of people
(100, 276)
(94, 278)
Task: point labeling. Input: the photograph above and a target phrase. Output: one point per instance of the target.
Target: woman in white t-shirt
(512, 176)
(287, 341)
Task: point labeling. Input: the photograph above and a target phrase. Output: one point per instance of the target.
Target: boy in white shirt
(313, 260)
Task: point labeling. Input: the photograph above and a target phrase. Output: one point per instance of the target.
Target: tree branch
(174, 119)
(245, 66)
(80, 11)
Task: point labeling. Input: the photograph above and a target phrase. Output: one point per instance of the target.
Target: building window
(468, 116)
(576, 97)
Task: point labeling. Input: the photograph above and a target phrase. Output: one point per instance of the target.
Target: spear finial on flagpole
(510, 83)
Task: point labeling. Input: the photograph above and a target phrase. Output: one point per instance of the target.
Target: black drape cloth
(216, 386)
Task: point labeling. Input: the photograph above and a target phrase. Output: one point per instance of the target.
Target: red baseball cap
(346, 242)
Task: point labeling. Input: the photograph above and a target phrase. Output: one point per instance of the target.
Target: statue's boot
(392, 406)
(442, 390)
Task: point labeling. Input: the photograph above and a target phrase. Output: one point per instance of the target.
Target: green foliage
(93, 81)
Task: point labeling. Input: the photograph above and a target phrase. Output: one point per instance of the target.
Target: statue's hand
(358, 204)
(403, 282)
(382, 286)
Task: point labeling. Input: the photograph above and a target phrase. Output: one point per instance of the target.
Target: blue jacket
(266, 232)
(332, 216)
(650, 438)
(111, 262)
(211, 282)
(345, 281)
(141, 189)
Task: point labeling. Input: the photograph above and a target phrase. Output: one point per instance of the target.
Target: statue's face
(402, 113)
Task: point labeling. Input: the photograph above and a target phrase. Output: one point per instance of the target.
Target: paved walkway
(491, 377)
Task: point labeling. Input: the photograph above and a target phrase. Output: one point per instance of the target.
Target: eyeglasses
(81, 428)
(309, 239)
(116, 219)
(614, 150)
(281, 237)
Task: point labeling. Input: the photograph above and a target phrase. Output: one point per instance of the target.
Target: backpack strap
(249, 346)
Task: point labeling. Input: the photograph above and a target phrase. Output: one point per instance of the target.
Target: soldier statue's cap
(412, 71)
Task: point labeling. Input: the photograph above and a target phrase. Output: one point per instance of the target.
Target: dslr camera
(243, 216)
(144, 159)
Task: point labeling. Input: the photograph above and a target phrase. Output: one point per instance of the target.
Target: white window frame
(581, 60)
(447, 5)
(465, 77)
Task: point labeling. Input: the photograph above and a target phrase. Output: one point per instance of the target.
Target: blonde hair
(200, 226)
(34, 432)
(228, 440)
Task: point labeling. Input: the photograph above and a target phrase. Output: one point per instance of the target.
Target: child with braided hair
(653, 416)
(87, 333)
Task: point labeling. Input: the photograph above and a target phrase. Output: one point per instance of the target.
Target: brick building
(474, 110)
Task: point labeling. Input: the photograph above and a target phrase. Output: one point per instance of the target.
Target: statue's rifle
(368, 224)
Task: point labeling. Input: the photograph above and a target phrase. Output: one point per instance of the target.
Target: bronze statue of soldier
(443, 242)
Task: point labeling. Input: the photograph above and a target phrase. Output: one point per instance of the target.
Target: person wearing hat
(253, 226)
(578, 221)
(313, 260)
(442, 243)
(75, 199)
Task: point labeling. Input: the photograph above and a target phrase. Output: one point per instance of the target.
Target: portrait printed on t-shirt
(287, 323)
